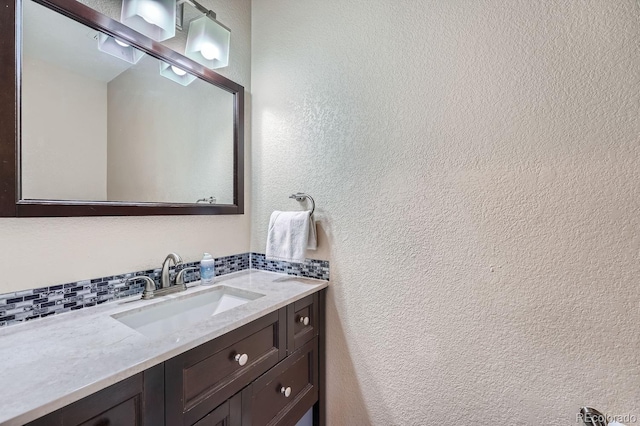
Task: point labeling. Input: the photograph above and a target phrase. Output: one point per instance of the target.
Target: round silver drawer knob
(286, 391)
(304, 320)
(242, 359)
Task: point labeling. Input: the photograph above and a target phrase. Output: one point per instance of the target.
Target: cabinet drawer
(201, 379)
(302, 322)
(265, 402)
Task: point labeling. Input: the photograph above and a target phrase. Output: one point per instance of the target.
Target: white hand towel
(290, 235)
(312, 243)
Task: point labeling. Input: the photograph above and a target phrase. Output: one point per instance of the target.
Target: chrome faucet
(166, 286)
(165, 278)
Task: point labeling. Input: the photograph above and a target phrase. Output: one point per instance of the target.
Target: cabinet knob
(304, 320)
(242, 359)
(286, 391)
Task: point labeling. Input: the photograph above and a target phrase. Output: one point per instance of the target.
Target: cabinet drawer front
(212, 372)
(204, 377)
(265, 401)
(302, 322)
(125, 413)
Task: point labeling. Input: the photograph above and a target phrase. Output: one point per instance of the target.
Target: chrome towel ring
(300, 196)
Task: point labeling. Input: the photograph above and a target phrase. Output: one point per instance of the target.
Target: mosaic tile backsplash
(311, 268)
(42, 302)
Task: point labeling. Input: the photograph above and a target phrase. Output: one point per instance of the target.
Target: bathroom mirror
(110, 122)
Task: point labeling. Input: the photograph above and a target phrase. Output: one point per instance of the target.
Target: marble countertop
(50, 363)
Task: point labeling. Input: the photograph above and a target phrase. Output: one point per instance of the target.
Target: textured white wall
(38, 252)
(476, 166)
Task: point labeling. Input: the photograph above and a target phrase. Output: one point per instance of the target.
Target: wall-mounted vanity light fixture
(119, 49)
(153, 18)
(207, 42)
(176, 74)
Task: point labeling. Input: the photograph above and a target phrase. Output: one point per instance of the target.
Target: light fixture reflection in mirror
(176, 74)
(119, 49)
(178, 70)
(208, 42)
(153, 18)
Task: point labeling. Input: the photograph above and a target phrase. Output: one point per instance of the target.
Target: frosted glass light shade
(208, 43)
(176, 74)
(153, 18)
(119, 49)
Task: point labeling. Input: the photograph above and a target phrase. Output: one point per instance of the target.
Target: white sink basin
(177, 314)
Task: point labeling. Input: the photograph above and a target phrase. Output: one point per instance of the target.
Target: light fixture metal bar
(200, 8)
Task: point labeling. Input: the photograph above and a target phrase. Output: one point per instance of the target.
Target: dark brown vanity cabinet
(265, 373)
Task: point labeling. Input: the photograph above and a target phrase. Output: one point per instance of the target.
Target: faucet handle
(149, 285)
(180, 276)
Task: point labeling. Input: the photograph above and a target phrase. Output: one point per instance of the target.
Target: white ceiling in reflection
(82, 56)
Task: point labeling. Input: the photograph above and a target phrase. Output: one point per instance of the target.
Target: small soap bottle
(207, 270)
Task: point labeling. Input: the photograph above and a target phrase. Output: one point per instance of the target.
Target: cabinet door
(228, 414)
(285, 393)
(302, 322)
(136, 401)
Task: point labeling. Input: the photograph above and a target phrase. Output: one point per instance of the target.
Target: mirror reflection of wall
(99, 128)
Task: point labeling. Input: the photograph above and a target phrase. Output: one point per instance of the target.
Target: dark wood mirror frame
(10, 141)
